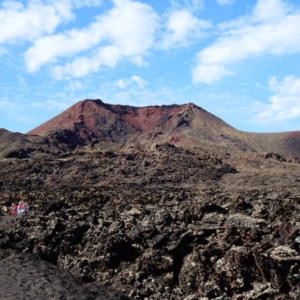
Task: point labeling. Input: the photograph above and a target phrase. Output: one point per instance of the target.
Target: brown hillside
(18, 145)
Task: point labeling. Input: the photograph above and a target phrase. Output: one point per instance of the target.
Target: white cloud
(285, 103)
(271, 10)
(124, 82)
(11, 5)
(139, 81)
(272, 28)
(29, 22)
(225, 2)
(139, 61)
(81, 66)
(128, 30)
(121, 83)
(209, 73)
(182, 27)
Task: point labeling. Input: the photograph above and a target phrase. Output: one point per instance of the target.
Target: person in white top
(20, 208)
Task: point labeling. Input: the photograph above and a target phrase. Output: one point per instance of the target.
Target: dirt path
(23, 277)
(5, 219)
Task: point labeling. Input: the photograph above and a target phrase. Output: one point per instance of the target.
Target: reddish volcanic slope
(92, 113)
(81, 112)
(184, 125)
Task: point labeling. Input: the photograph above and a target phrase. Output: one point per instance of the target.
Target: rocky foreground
(185, 246)
(168, 223)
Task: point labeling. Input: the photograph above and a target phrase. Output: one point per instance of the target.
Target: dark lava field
(148, 221)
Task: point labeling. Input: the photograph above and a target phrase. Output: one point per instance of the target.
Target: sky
(237, 59)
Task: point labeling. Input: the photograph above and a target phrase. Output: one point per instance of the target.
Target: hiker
(13, 209)
(20, 208)
(27, 208)
(24, 208)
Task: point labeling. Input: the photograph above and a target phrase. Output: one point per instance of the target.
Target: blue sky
(240, 60)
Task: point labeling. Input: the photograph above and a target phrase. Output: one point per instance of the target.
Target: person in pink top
(15, 212)
(12, 208)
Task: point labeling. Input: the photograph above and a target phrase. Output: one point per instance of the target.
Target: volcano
(91, 122)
